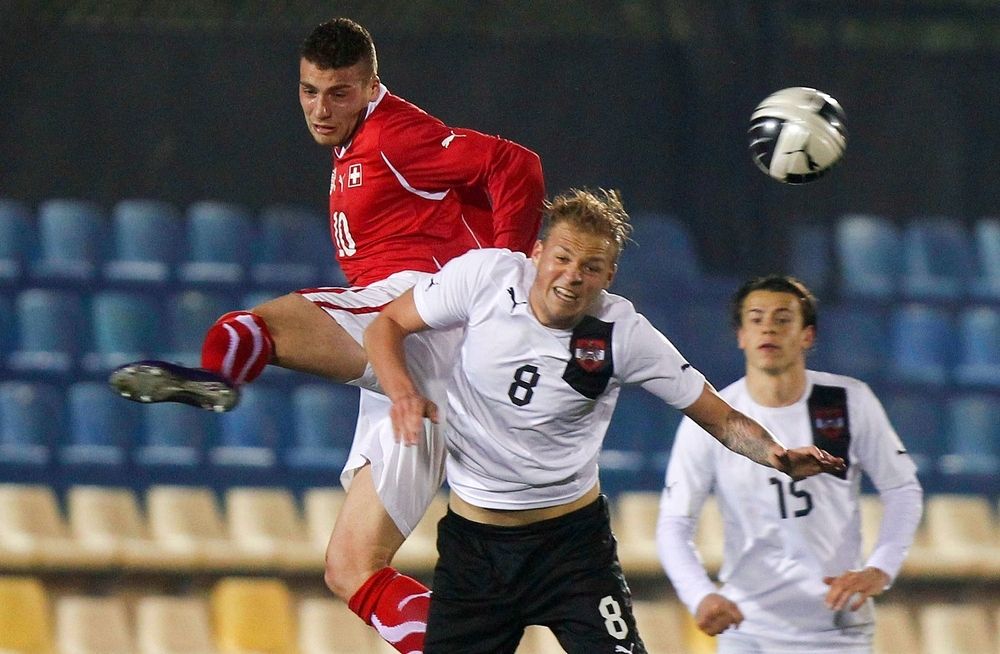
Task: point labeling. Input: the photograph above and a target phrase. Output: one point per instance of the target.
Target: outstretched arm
(384, 347)
(744, 435)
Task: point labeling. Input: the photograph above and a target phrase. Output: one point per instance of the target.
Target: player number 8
(612, 614)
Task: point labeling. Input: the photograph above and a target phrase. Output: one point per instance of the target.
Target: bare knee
(363, 541)
(307, 339)
(350, 564)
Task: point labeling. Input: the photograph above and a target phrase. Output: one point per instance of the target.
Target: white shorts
(406, 478)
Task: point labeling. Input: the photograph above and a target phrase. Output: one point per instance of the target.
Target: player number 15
(803, 498)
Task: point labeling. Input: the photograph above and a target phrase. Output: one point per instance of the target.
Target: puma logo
(513, 299)
(448, 139)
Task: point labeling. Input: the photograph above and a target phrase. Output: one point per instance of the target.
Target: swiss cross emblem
(354, 175)
(589, 353)
(830, 422)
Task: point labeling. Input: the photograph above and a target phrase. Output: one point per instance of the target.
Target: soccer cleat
(159, 381)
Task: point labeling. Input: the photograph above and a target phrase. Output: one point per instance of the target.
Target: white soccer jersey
(782, 537)
(530, 404)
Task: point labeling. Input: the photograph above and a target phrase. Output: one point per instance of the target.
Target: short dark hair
(339, 43)
(597, 211)
(777, 284)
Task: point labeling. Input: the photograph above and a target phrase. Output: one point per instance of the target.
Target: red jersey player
(407, 194)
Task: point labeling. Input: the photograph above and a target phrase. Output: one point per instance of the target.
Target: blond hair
(598, 212)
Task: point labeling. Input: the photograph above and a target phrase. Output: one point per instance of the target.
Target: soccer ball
(797, 134)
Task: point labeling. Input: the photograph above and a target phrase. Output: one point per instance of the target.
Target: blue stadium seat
(923, 344)
(251, 437)
(324, 418)
(148, 242)
(126, 327)
(16, 230)
(853, 340)
(31, 420)
(709, 342)
(293, 250)
(918, 419)
(987, 240)
(189, 315)
(810, 256)
(938, 258)
(972, 457)
(171, 443)
(8, 334)
(219, 239)
(102, 427)
(50, 327)
(661, 263)
(638, 442)
(979, 341)
(868, 252)
(72, 241)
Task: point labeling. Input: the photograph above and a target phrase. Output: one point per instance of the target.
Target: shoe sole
(149, 384)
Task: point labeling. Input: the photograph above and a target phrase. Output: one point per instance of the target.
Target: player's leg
(294, 331)
(389, 487)
(358, 570)
(307, 340)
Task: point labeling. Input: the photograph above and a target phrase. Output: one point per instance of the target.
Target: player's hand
(853, 587)
(715, 614)
(408, 413)
(803, 462)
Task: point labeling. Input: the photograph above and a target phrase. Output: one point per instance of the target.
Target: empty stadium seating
(50, 333)
(852, 339)
(72, 239)
(147, 242)
(972, 443)
(25, 616)
(31, 421)
(99, 437)
(810, 256)
(868, 248)
(986, 285)
(16, 240)
(923, 344)
(173, 625)
(253, 616)
(217, 237)
(93, 625)
(938, 257)
(293, 250)
(978, 361)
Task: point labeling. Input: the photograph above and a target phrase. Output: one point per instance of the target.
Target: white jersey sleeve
(445, 298)
(893, 473)
(690, 478)
(655, 364)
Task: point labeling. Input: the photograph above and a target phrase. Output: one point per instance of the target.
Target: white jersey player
(545, 351)
(793, 575)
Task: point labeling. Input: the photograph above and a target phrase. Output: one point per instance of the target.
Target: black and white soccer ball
(797, 134)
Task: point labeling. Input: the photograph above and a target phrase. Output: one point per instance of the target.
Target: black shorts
(491, 582)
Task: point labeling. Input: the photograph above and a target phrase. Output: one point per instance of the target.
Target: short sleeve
(654, 363)
(445, 298)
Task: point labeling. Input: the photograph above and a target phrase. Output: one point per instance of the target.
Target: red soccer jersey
(410, 193)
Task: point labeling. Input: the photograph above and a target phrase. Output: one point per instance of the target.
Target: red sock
(237, 346)
(397, 606)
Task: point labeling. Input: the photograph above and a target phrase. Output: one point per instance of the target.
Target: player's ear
(809, 337)
(536, 252)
